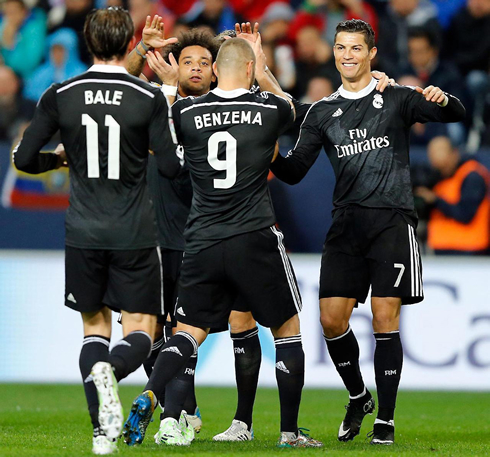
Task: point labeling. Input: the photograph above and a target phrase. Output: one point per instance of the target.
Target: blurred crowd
(420, 42)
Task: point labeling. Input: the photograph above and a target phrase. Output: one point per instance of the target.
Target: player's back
(105, 118)
(229, 139)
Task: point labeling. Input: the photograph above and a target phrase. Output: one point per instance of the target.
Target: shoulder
(330, 105)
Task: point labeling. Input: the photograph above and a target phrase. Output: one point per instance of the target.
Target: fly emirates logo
(360, 143)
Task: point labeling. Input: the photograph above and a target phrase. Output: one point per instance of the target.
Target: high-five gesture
(168, 74)
(154, 33)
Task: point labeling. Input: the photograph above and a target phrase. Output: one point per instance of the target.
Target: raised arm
(153, 37)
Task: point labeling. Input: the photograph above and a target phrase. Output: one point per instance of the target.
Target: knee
(385, 322)
(241, 322)
(333, 325)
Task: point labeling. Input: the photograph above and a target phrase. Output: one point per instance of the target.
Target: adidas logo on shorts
(173, 349)
(180, 311)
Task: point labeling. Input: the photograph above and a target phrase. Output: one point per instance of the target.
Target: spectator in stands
(446, 9)
(326, 14)
(217, 15)
(15, 111)
(460, 219)
(253, 10)
(22, 36)
(63, 63)
(313, 58)
(274, 27)
(71, 14)
(392, 40)
(318, 88)
(467, 41)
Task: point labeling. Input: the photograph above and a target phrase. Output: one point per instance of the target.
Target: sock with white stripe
(344, 352)
(190, 403)
(290, 376)
(248, 356)
(172, 359)
(95, 349)
(388, 361)
(178, 389)
(129, 353)
(155, 350)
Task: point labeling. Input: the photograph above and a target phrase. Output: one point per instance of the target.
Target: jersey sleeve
(293, 168)
(285, 111)
(163, 141)
(27, 154)
(415, 108)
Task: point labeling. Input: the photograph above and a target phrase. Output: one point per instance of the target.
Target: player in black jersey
(108, 120)
(372, 239)
(233, 251)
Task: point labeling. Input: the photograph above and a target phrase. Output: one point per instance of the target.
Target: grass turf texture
(52, 420)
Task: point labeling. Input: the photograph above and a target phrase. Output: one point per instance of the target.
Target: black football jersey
(228, 139)
(366, 137)
(108, 121)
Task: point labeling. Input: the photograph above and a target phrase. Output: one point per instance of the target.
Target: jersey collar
(108, 69)
(362, 93)
(229, 93)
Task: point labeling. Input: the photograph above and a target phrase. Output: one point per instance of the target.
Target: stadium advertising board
(446, 338)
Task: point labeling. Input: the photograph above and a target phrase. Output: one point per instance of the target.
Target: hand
(168, 74)
(154, 33)
(383, 80)
(432, 94)
(62, 159)
(426, 194)
(245, 31)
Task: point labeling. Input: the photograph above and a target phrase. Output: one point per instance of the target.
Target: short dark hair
(357, 26)
(193, 37)
(424, 32)
(108, 32)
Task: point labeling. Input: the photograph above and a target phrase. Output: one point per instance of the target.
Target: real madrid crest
(378, 101)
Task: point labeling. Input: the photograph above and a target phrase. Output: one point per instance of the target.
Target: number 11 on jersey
(113, 158)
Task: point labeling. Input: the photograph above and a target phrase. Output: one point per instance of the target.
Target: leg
(290, 375)
(159, 341)
(335, 313)
(248, 356)
(95, 348)
(171, 360)
(388, 361)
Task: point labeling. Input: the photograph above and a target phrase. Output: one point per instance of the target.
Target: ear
(373, 52)
(250, 68)
(215, 71)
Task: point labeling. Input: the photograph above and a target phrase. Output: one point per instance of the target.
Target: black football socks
(388, 361)
(344, 352)
(290, 376)
(129, 353)
(248, 356)
(171, 361)
(95, 349)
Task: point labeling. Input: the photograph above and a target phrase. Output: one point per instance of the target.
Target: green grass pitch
(51, 420)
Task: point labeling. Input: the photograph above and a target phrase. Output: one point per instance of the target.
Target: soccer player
(189, 73)
(233, 252)
(108, 121)
(372, 241)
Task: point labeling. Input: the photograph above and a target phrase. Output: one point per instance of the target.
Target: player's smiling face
(195, 71)
(352, 56)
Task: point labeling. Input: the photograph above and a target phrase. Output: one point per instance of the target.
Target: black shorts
(124, 280)
(248, 272)
(171, 265)
(371, 247)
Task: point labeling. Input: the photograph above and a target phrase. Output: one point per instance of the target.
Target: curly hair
(193, 37)
(357, 26)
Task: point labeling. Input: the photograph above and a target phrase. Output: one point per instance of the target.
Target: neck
(232, 83)
(358, 84)
(119, 63)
